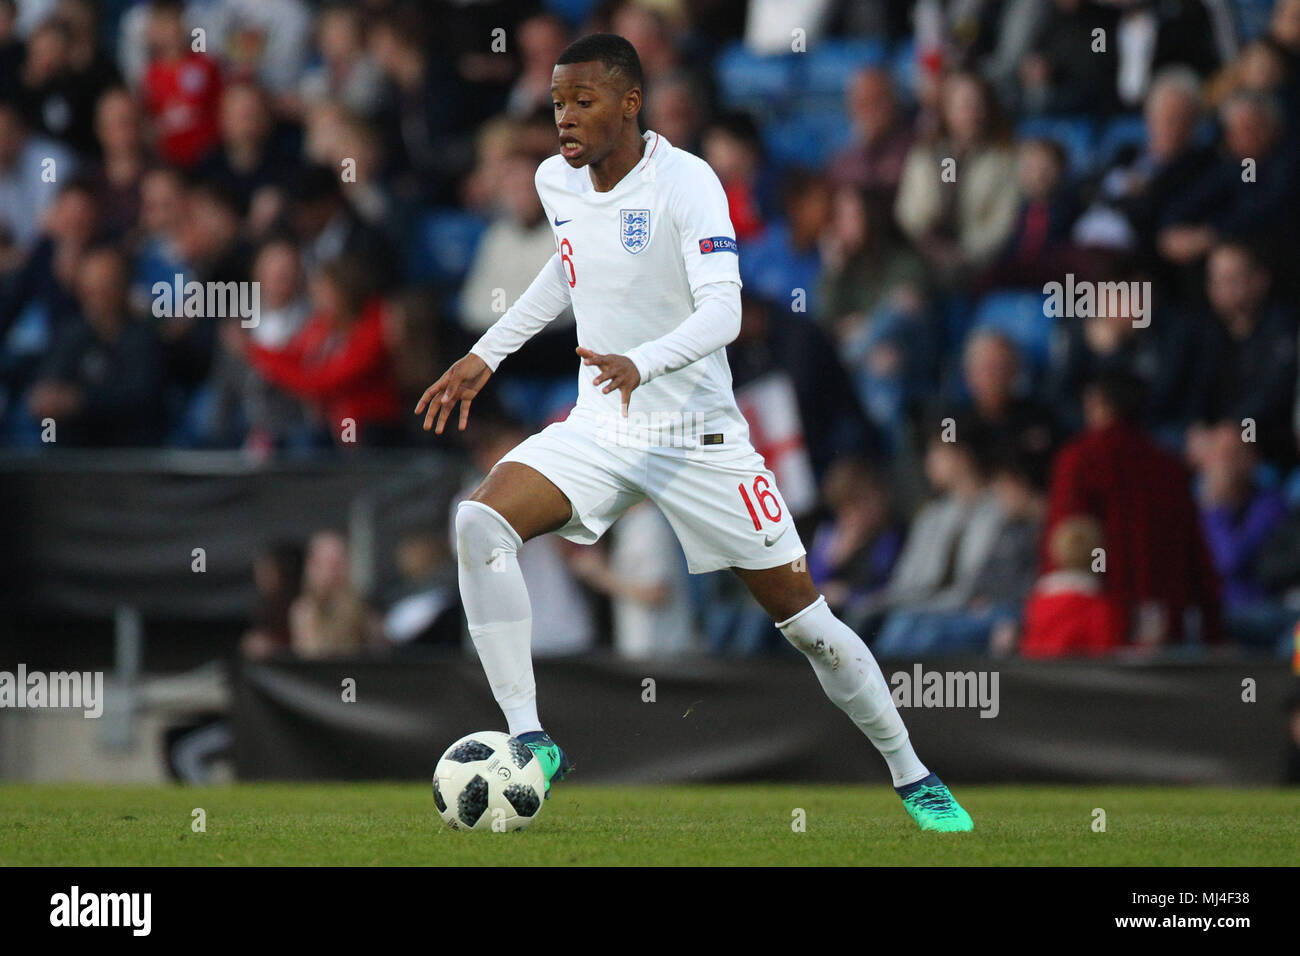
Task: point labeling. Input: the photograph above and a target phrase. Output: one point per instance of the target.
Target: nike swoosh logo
(771, 539)
(561, 222)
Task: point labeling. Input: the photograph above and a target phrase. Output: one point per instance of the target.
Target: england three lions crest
(634, 229)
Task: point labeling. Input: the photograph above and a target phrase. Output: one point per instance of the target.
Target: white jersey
(636, 262)
(651, 270)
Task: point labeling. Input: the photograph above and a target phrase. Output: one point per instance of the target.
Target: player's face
(590, 110)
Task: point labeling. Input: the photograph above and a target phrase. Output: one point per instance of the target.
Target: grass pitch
(384, 824)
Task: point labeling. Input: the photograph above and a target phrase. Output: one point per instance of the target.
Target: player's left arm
(698, 213)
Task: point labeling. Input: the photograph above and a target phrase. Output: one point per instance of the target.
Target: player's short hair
(616, 54)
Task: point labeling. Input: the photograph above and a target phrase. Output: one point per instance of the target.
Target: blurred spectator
(853, 551)
(1150, 36)
(1248, 368)
(11, 49)
(246, 403)
(674, 110)
(327, 227)
(181, 89)
(1069, 613)
(424, 117)
(882, 135)
(1007, 576)
(90, 72)
(866, 265)
(957, 196)
(777, 361)
(1038, 250)
(1239, 517)
(1008, 413)
(26, 184)
(1157, 563)
(40, 294)
(1066, 72)
(1216, 206)
(264, 41)
(649, 31)
(644, 576)
(329, 618)
(1284, 30)
(209, 243)
(1135, 193)
(427, 609)
(339, 361)
(873, 295)
(346, 73)
(732, 147)
(53, 101)
(498, 142)
(1261, 68)
(1162, 351)
(157, 238)
(541, 39)
(119, 131)
(245, 159)
(102, 384)
(781, 265)
(418, 336)
(277, 578)
(951, 538)
(999, 586)
(515, 247)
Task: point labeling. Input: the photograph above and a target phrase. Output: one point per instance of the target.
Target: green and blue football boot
(933, 806)
(555, 764)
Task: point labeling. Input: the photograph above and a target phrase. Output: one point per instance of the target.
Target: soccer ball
(489, 781)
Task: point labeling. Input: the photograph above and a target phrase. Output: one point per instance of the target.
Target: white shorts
(721, 500)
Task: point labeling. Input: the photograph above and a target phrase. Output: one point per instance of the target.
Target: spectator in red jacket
(340, 361)
(1069, 613)
(1156, 562)
(181, 89)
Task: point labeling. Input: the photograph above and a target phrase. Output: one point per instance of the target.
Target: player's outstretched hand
(460, 383)
(617, 371)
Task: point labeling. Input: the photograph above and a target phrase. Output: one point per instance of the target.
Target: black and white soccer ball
(489, 781)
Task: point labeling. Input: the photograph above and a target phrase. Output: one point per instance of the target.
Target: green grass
(363, 824)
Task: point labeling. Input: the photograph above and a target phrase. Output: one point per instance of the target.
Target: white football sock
(852, 679)
(498, 611)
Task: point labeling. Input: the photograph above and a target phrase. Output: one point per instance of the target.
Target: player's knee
(482, 535)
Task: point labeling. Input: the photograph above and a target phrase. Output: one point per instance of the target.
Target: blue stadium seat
(906, 73)
(1251, 18)
(829, 66)
(749, 81)
(808, 138)
(574, 11)
(1018, 315)
(443, 246)
(1077, 134)
(1120, 132)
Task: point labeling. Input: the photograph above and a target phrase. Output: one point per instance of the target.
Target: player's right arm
(541, 302)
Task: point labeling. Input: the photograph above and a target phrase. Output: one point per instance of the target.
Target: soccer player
(647, 257)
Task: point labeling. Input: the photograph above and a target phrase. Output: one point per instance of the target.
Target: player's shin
(498, 611)
(852, 679)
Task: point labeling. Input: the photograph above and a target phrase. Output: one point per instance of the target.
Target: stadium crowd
(973, 468)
